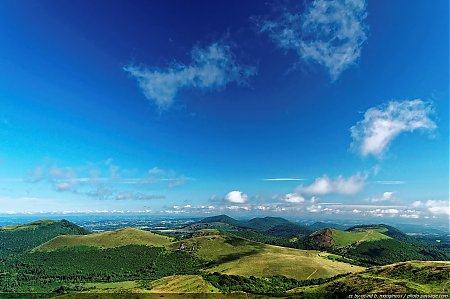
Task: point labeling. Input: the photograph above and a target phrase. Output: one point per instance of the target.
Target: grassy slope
(182, 284)
(294, 263)
(233, 255)
(29, 226)
(345, 238)
(219, 248)
(109, 239)
(177, 284)
(415, 277)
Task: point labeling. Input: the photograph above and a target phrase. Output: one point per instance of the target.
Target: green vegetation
(109, 239)
(214, 257)
(268, 224)
(265, 223)
(46, 271)
(206, 232)
(233, 255)
(118, 286)
(256, 236)
(217, 248)
(388, 251)
(275, 285)
(293, 263)
(222, 219)
(409, 277)
(345, 238)
(182, 284)
(21, 238)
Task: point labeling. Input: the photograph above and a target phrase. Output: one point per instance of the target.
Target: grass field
(219, 248)
(176, 284)
(273, 260)
(111, 286)
(182, 284)
(109, 239)
(344, 238)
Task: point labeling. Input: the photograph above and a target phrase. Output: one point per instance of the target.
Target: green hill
(413, 277)
(334, 238)
(281, 261)
(217, 248)
(21, 238)
(387, 230)
(221, 218)
(373, 245)
(234, 255)
(264, 223)
(258, 224)
(288, 230)
(267, 229)
(108, 239)
(387, 251)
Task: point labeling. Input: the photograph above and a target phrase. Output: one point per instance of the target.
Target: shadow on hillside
(232, 257)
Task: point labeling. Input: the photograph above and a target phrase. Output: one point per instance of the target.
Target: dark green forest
(23, 238)
(275, 285)
(45, 271)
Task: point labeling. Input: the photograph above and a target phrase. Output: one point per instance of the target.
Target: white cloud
(339, 185)
(435, 207)
(294, 198)
(385, 197)
(390, 211)
(330, 33)
(409, 216)
(64, 186)
(382, 124)
(391, 182)
(211, 68)
(236, 197)
(284, 179)
(314, 209)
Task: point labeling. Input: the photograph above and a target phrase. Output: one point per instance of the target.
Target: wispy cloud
(105, 180)
(212, 67)
(283, 179)
(338, 185)
(330, 33)
(382, 124)
(236, 197)
(390, 182)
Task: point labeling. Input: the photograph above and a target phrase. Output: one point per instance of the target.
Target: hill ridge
(107, 239)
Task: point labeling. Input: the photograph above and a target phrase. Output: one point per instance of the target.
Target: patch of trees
(388, 251)
(133, 262)
(20, 240)
(275, 285)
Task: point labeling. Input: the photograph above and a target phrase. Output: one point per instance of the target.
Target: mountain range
(219, 254)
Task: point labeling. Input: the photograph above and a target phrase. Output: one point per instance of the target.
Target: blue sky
(189, 107)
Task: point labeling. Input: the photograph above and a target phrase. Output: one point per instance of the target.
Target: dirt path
(369, 232)
(312, 274)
